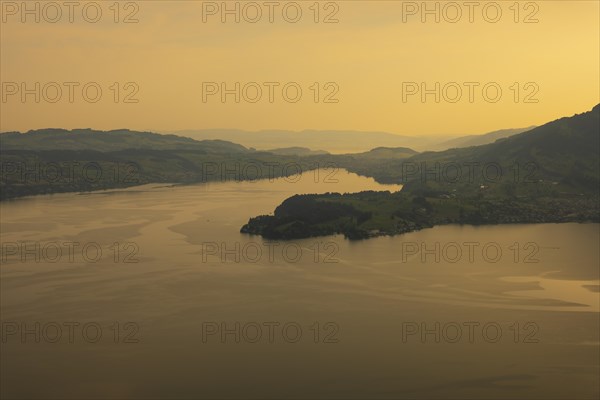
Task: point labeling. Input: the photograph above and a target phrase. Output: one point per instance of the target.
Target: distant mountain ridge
(104, 141)
(387, 153)
(341, 142)
(296, 151)
(308, 142)
(332, 141)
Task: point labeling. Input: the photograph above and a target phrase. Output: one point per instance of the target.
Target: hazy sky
(374, 61)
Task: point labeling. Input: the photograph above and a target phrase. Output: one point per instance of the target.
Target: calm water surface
(450, 312)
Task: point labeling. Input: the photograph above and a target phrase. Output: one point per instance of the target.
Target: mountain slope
(478, 140)
(566, 151)
(564, 188)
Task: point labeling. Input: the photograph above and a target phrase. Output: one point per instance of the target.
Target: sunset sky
(369, 54)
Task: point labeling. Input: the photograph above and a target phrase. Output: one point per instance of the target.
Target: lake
(152, 292)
